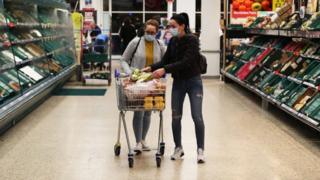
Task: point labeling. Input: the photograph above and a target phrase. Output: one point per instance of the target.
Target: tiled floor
(72, 138)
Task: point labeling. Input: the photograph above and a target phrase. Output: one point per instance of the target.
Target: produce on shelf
(303, 99)
(279, 87)
(312, 105)
(313, 23)
(293, 22)
(267, 85)
(252, 5)
(249, 22)
(257, 76)
(248, 67)
(287, 70)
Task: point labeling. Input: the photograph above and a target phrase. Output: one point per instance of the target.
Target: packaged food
(148, 106)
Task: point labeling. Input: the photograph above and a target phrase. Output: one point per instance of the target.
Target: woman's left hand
(158, 73)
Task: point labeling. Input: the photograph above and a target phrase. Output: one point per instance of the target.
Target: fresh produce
(139, 76)
(256, 6)
(242, 8)
(248, 4)
(251, 5)
(313, 23)
(235, 5)
(265, 5)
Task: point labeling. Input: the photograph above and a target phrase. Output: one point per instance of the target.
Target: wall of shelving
(36, 53)
(280, 63)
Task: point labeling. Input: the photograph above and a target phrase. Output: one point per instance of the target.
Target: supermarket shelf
(27, 41)
(301, 117)
(285, 33)
(24, 25)
(255, 46)
(25, 62)
(306, 83)
(16, 105)
(301, 55)
(38, 25)
(311, 57)
(237, 33)
(6, 67)
(242, 60)
(50, 38)
(46, 3)
(19, 106)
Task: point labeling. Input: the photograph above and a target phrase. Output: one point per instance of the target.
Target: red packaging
(248, 67)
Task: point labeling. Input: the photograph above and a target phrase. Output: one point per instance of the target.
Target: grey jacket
(139, 59)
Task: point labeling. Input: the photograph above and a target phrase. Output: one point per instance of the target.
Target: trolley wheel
(117, 149)
(162, 148)
(130, 161)
(158, 159)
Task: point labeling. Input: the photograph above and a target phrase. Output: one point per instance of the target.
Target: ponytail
(181, 19)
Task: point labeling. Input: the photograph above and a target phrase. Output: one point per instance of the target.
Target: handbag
(203, 64)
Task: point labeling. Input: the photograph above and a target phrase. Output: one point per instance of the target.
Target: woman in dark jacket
(182, 61)
(127, 33)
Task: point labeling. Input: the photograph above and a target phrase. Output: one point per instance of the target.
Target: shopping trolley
(139, 99)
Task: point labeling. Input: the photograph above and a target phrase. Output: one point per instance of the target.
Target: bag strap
(134, 52)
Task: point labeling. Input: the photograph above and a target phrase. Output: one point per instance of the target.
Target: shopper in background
(127, 33)
(95, 31)
(182, 61)
(142, 52)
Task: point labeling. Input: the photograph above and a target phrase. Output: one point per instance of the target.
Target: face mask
(149, 38)
(174, 32)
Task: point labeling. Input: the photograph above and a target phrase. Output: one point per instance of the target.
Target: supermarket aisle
(72, 138)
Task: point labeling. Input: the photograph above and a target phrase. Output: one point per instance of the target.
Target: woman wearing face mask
(182, 61)
(142, 52)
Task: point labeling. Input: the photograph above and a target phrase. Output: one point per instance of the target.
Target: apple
(265, 5)
(256, 6)
(235, 5)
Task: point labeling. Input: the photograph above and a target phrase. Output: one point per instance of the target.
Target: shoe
(145, 147)
(200, 156)
(178, 153)
(138, 148)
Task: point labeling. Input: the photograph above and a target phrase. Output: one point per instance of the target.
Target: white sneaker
(178, 153)
(145, 147)
(200, 156)
(138, 148)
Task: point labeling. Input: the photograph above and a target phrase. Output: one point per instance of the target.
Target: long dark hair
(181, 19)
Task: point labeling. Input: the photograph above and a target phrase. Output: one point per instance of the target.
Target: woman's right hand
(146, 69)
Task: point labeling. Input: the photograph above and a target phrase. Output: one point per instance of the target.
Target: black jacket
(127, 33)
(181, 58)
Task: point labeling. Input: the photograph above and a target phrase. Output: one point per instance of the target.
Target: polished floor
(72, 138)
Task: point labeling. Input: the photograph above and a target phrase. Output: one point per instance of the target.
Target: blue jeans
(194, 88)
(141, 124)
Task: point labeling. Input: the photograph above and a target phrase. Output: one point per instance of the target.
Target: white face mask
(149, 38)
(174, 32)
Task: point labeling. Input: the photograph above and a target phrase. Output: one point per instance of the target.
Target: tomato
(265, 5)
(235, 5)
(248, 3)
(242, 8)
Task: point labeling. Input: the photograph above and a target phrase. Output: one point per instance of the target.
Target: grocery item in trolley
(141, 92)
